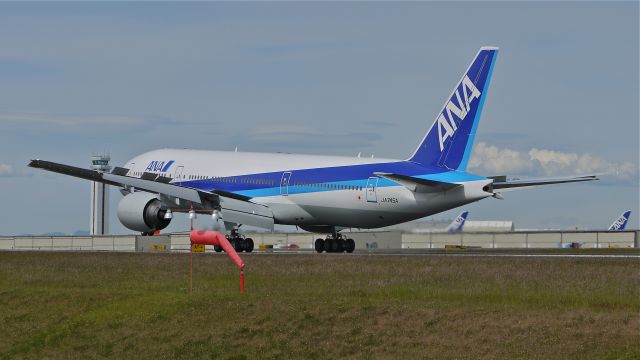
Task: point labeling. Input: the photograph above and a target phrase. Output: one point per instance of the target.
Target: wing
(234, 208)
(501, 182)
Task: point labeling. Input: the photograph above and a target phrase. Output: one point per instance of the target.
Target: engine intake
(142, 211)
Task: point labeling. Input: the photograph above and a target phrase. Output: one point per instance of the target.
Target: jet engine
(142, 211)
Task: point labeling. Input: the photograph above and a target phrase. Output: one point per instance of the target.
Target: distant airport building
(436, 226)
(99, 198)
(488, 226)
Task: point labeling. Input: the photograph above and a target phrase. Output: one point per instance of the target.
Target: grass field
(132, 305)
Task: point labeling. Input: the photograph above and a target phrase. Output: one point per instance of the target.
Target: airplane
(618, 225)
(320, 194)
(458, 223)
(621, 223)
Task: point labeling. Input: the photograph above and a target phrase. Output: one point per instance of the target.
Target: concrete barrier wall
(69, 243)
(363, 240)
(376, 240)
(509, 241)
(180, 242)
(415, 241)
(479, 240)
(617, 239)
(543, 240)
(586, 239)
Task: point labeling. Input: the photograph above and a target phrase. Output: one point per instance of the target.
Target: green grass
(107, 305)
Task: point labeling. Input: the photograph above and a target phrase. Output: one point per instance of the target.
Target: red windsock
(208, 237)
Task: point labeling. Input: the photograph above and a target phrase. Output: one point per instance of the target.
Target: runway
(525, 253)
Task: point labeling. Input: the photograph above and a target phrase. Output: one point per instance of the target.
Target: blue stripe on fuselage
(325, 179)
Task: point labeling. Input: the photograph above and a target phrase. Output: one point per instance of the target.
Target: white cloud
(77, 123)
(496, 161)
(293, 138)
(68, 120)
(492, 160)
(6, 170)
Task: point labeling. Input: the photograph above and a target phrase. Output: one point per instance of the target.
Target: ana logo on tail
(446, 122)
(621, 222)
(458, 223)
(449, 140)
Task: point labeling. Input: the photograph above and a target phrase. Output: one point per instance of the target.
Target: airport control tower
(99, 197)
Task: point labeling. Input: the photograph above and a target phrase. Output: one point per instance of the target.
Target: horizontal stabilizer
(513, 184)
(418, 184)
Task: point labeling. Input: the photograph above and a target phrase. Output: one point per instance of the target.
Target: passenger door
(284, 183)
(178, 173)
(372, 188)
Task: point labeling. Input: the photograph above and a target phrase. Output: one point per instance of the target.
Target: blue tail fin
(458, 224)
(621, 222)
(449, 141)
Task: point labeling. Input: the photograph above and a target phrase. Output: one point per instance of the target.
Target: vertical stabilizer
(449, 141)
(458, 224)
(621, 222)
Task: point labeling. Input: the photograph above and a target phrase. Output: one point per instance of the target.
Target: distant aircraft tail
(458, 223)
(621, 222)
(449, 141)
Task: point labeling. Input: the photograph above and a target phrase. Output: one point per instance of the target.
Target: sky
(78, 79)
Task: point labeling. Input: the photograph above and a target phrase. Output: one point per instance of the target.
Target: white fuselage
(307, 189)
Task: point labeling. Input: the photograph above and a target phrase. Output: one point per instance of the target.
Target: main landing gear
(335, 244)
(239, 242)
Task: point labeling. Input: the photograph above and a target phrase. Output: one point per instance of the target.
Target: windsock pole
(191, 217)
(207, 237)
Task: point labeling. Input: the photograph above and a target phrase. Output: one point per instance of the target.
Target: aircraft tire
(319, 245)
(350, 245)
(342, 245)
(248, 245)
(328, 245)
(217, 248)
(335, 245)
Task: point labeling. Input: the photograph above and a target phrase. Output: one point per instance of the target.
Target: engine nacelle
(142, 211)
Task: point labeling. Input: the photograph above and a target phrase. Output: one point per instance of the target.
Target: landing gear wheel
(342, 245)
(319, 245)
(248, 245)
(335, 245)
(350, 245)
(328, 244)
(217, 248)
(239, 244)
